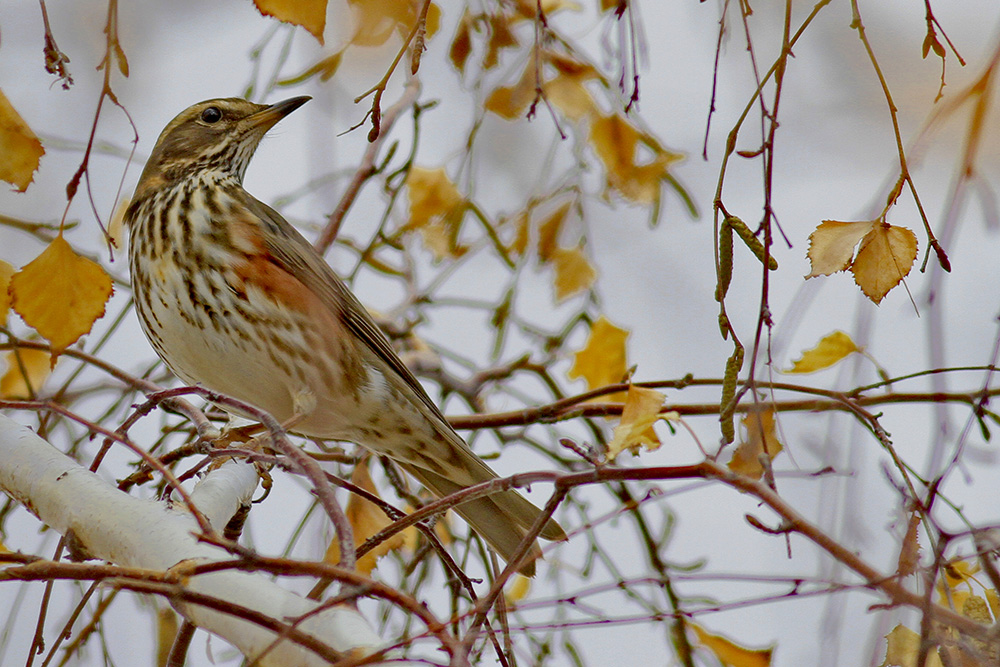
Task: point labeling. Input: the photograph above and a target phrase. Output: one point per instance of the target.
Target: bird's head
(213, 136)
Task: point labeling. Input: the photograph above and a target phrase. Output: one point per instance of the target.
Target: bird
(233, 298)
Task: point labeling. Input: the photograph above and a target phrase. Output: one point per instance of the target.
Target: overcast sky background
(835, 153)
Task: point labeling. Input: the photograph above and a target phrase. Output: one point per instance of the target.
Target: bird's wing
(297, 256)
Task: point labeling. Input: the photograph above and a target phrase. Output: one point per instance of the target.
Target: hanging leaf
(510, 102)
(308, 14)
(461, 44)
(26, 372)
(20, 149)
(617, 143)
(60, 294)
(831, 349)
(602, 360)
(366, 521)
(641, 411)
(761, 439)
(573, 272)
(377, 20)
(548, 232)
(885, 257)
(903, 648)
(6, 271)
(436, 211)
(730, 653)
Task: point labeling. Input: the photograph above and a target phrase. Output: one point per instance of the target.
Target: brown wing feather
(318, 276)
(296, 254)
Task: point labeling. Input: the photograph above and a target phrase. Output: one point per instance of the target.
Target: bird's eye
(211, 115)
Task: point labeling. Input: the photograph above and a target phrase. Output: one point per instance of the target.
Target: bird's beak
(269, 116)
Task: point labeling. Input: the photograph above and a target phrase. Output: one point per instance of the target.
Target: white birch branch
(132, 532)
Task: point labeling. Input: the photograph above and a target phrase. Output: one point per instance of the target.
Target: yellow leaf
(994, 601)
(641, 411)
(60, 294)
(885, 257)
(548, 232)
(20, 149)
(602, 361)
(574, 273)
(831, 349)
(6, 271)
(377, 20)
(436, 210)
(501, 37)
(518, 590)
(432, 195)
(960, 572)
(522, 233)
(617, 144)
(572, 68)
(510, 102)
(366, 520)
(761, 439)
(26, 371)
(572, 98)
(903, 647)
(729, 653)
(976, 608)
(461, 44)
(831, 245)
(309, 14)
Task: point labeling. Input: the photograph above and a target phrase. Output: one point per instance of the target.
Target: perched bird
(232, 297)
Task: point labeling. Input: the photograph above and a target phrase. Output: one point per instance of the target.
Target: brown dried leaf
(831, 245)
(909, 552)
(461, 44)
(831, 349)
(602, 360)
(885, 257)
(574, 272)
(26, 372)
(309, 14)
(20, 149)
(641, 411)
(761, 439)
(60, 294)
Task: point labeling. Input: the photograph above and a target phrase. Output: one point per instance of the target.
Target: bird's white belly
(272, 368)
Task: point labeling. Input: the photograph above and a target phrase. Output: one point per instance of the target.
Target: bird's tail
(502, 519)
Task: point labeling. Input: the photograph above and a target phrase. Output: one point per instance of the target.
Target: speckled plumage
(232, 297)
